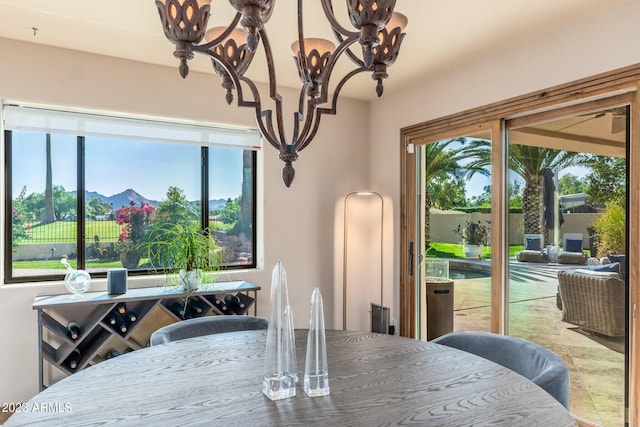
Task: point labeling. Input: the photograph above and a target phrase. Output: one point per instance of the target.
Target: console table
(216, 380)
(99, 339)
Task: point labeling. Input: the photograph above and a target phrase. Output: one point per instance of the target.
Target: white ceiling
(441, 34)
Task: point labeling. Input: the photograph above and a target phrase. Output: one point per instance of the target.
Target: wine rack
(99, 339)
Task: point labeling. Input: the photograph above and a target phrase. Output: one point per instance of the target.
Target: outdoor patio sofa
(593, 300)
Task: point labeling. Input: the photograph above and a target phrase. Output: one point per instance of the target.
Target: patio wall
(443, 226)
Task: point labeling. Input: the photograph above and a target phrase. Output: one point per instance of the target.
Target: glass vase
(316, 372)
(279, 380)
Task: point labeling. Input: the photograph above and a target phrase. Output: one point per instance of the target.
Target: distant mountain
(217, 204)
(127, 196)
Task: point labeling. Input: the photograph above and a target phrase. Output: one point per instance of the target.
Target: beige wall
(298, 223)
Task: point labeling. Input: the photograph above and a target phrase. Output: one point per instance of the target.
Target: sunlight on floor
(596, 363)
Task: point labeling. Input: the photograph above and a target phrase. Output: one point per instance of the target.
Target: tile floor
(596, 363)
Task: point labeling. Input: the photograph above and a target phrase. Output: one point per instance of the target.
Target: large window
(91, 189)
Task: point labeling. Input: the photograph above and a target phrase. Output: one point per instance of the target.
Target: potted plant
(135, 224)
(187, 253)
(474, 235)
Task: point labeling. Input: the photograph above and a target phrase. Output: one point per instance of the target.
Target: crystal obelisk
(316, 372)
(279, 381)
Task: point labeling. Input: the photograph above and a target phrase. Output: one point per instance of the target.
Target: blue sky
(475, 186)
(114, 165)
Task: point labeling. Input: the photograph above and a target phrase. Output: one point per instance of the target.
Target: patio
(596, 363)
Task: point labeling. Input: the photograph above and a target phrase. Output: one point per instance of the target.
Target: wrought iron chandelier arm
(352, 56)
(273, 89)
(327, 6)
(222, 36)
(312, 123)
(265, 123)
(331, 63)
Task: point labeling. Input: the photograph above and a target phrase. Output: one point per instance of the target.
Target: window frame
(81, 242)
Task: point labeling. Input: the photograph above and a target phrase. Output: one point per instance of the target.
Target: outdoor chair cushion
(540, 365)
(573, 246)
(613, 267)
(533, 243)
(206, 325)
(565, 257)
(530, 256)
(622, 259)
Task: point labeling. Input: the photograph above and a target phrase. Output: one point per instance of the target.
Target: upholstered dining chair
(541, 366)
(206, 325)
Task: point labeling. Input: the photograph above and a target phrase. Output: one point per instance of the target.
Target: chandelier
(232, 48)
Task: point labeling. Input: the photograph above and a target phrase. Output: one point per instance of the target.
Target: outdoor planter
(472, 251)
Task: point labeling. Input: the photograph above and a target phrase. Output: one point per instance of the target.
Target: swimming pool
(467, 273)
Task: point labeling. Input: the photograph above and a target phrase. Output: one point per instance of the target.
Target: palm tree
(528, 163)
(442, 161)
(49, 211)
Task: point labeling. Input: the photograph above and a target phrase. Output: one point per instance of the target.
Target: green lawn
(91, 264)
(65, 231)
(455, 250)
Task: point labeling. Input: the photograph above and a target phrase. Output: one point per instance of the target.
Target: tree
(610, 227)
(447, 193)
(246, 198)
(442, 162)
(528, 163)
(65, 203)
(96, 206)
(483, 199)
(570, 184)
(607, 180)
(515, 194)
(231, 211)
(175, 208)
(49, 213)
(20, 218)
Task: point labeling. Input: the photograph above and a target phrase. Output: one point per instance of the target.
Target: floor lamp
(381, 316)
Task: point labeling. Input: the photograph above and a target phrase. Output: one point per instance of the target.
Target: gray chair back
(541, 366)
(206, 325)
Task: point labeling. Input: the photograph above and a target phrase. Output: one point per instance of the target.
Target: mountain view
(129, 195)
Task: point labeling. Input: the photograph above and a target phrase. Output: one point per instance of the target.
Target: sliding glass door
(453, 239)
(567, 281)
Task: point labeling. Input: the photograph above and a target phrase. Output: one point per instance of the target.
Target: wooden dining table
(216, 380)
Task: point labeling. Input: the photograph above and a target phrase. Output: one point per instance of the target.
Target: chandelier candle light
(232, 48)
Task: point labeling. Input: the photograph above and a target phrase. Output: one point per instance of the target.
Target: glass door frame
(604, 89)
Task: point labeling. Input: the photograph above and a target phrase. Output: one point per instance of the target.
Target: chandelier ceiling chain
(232, 48)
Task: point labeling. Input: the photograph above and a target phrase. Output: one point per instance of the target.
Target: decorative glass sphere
(77, 281)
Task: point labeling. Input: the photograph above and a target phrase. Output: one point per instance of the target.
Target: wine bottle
(121, 324)
(121, 308)
(177, 309)
(74, 330)
(195, 306)
(130, 316)
(74, 359)
(234, 303)
(246, 299)
(220, 305)
(112, 318)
